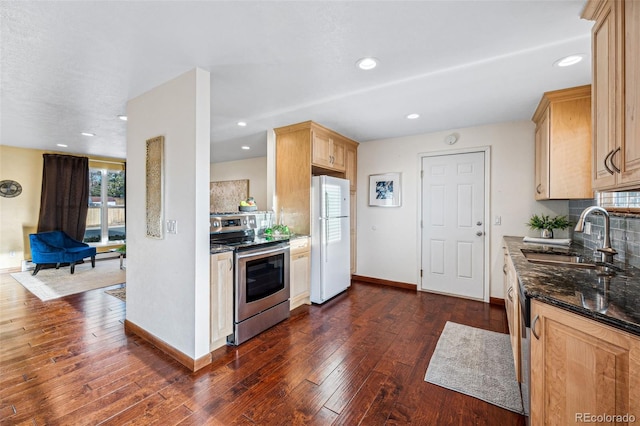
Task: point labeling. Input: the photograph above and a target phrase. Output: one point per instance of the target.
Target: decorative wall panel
(225, 196)
(154, 187)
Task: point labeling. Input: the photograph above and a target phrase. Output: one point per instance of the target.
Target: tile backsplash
(625, 232)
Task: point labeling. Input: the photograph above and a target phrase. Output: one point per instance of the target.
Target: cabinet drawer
(299, 245)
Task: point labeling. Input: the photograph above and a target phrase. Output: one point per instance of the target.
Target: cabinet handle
(606, 166)
(504, 269)
(533, 327)
(230, 264)
(539, 188)
(510, 294)
(613, 166)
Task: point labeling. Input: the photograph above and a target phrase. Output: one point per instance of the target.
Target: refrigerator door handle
(326, 240)
(326, 226)
(326, 204)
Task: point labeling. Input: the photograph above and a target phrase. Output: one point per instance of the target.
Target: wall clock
(10, 188)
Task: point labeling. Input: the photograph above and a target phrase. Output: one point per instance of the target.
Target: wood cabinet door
(321, 149)
(542, 158)
(630, 173)
(570, 142)
(221, 293)
(579, 366)
(300, 272)
(328, 151)
(604, 98)
(351, 167)
(512, 306)
(338, 155)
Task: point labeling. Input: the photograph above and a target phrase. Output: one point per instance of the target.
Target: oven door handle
(252, 253)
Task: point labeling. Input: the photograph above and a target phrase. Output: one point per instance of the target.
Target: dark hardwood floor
(358, 359)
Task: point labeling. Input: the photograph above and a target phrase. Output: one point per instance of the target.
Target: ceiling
(70, 67)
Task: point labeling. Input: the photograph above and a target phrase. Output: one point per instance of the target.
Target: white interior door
(453, 224)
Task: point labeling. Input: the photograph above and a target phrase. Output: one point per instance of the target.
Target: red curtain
(64, 201)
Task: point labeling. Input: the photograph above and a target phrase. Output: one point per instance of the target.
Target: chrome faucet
(606, 250)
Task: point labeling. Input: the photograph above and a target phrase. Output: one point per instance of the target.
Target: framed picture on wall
(385, 190)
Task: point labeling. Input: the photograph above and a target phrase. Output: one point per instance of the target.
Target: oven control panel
(231, 223)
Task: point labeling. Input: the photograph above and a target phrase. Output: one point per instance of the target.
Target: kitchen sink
(558, 259)
(570, 260)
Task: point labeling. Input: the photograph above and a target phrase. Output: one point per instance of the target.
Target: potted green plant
(547, 224)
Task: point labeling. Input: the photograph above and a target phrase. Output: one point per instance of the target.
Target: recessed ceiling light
(88, 134)
(242, 123)
(61, 145)
(367, 63)
(122, 117)
(413, 116)
(246, 147)
(569, 60)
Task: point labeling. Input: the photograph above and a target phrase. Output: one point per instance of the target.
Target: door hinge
(420, 273)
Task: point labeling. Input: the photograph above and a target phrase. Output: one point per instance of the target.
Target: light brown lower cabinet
(300, 272)
(582, 371)
(512, 306)
(221, 293)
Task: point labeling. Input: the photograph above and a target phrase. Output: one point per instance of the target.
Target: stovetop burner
(238, 232)
(243, 240)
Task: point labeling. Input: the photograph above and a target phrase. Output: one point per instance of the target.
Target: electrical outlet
(587, 228)
(12, 253)
(497, 220)
(172, 226)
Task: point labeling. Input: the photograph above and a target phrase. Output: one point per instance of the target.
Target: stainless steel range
(261, 274)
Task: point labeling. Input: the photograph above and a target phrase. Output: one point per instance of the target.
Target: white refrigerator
(330, 239)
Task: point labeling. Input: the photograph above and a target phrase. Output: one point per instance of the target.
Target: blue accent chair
(56, 247)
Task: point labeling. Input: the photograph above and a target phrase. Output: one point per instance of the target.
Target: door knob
(479, 233)
(479, 223)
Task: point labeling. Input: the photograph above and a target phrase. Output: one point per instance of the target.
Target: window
(106, 216)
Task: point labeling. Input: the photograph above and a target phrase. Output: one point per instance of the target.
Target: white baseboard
(28, 265)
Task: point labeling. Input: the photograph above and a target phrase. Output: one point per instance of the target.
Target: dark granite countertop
(613, 299)
(296, 236)
(219, 248)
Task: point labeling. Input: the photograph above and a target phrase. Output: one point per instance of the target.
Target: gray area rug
(120, 293)
(53, 283)
(478, 363)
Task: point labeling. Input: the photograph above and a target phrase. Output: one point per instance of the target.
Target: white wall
(254, 169)
(389, 238)
(168, 279)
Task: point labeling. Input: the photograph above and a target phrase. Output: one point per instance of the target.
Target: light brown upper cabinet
(616, 93)
(327, 151)
(351, 170)
(563, 145)
(302, 151)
